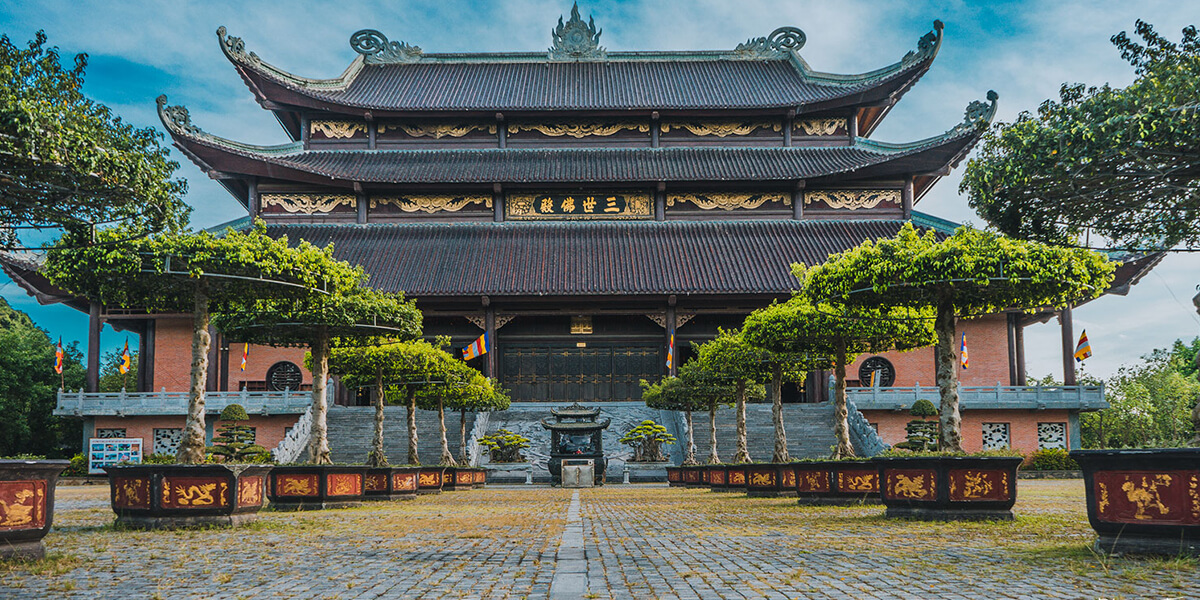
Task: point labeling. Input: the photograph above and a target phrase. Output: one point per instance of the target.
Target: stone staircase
(351, 429)
(809, 430)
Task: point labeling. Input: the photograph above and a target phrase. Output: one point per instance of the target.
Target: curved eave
(24, 271)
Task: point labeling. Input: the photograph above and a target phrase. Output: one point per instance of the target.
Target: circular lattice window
(877, 370)
(284, 376)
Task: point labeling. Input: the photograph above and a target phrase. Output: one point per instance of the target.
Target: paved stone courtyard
(638, 542)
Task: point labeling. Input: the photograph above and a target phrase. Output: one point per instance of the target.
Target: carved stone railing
(129, 404)
(865, 439)
(1059, 397)
(294, 445)
(477, 431)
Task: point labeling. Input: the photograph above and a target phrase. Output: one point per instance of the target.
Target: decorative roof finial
(176, 118)
(781, 41)
(979, 114)
(927, 46)
(377, 50)
(234, 47)
(575, 40)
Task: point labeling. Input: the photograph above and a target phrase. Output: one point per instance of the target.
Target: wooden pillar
(660, 202)
(1019, 341)
(146, 357)
(501, 131)
(788, 125)
(214, 360)
(1068, 346)
(223, 386)
(93, 357)
(654, 126)
(253, 206)
(671, 343)
(360, 200)
(489, 326)
(852, 124)
(1011, 323)
(372, 131)
(906, 196)
(304, 130)
(798, 201)
(498, 203)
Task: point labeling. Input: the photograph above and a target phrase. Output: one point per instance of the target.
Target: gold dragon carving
(857, 483)
(909, 487)
(578, 130)
(820, 126)
(337, 130)
(308, 204)
(721, 129)
(438, 131)
(729, 201)
(853, 199)
(431, 204)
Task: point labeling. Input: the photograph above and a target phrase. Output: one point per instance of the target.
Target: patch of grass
(53, 564)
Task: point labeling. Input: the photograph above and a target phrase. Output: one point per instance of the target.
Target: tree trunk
(413, 456)
(841, 426)
(689, 452)
(781, 449)
(447, 458)
(743, 452)
(950, 437)
(318, 444)
(378, 457)
(191, 448)
(464, 457)
(713, 457)
(1195, 425)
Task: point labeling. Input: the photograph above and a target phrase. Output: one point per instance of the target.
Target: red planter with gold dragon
(27, 505)
(314, 487)
(943, 488)
(173, 496)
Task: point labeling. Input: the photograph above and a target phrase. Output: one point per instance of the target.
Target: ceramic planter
(837, 482)
(675, 476)
(174, 496)
(771, 480)
(1143, 501)
(315, 487)
(949, 487)
(691, 476)
(27, 505)
(430, 480)
(391, 483)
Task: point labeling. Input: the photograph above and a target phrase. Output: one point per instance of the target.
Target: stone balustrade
(128, 404)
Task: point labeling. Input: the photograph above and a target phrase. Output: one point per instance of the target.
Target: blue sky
(1023, 50)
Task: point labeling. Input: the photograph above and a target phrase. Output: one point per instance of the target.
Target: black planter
(691, 476)
(949, 488)
(718, 478)
(735, 478)
(175, 496)
(675, 476)
(479, 477)
(27, 512)
(458, 479)
(316, 487)
(430, 480)
(391, 483)
(833, 482)
(1143, 501)
(771, 480)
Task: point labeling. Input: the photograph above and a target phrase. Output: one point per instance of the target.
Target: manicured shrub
(505, 446)
(234, 442)
(1052, 459)
(647, 440)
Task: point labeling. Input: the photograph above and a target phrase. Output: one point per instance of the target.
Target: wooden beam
(1011, 322)
(1068, 346)
(1019, 340)
(489, 327)
(146, 357)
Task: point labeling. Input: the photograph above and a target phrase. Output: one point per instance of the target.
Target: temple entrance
(570, 373)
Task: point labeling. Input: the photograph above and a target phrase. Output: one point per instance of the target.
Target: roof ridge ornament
(377, 50)
(978, 114)
(576, 40)
(927, 46)
(781, 41)
(176, 118)
(234, 47)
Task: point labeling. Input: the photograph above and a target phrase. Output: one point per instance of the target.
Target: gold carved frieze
(431, 203)
(337, 130)
(623, 205)
(438, 131)
(721, 128)
(578, 130)
(309, 204)
(853, 199)
(729, 201)
(821, 126)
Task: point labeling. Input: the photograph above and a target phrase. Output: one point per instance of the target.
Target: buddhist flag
(245, 356)
(479, 347)
(126, 359)
(1083, 349)
(671, 352)
(58, 358)
(962, 353)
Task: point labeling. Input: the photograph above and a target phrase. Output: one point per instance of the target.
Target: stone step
(352, 429)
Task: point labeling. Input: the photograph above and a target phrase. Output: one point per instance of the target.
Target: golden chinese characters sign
(623, 205)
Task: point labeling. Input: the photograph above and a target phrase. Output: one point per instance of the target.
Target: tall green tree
(674, 393)
(111, 378)
(69, 162)
(481, 396)
(1150, 403)
(420, 365)
(837, 335)
(970, 273)
(357, 316)
(195, 273)
(462, 387)
(1119, 164)
(29, 386)
(730, 357)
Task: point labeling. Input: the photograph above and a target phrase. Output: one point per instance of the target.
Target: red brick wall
(260, 359)
(987, 345)
(1022, 428)
(173, 354)
(269, 431)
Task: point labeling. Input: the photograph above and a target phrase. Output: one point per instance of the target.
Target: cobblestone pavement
(638, 542)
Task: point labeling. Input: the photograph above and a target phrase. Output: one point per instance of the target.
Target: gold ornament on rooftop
(337, 130)
(722, 129)
(853, 199)
(431, 204)
(578, 130)
(729, 201)
(308, 204)
(821, 126)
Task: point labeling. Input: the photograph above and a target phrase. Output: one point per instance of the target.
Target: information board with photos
(106, 452)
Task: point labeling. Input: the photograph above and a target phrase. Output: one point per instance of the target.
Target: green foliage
(78, 466)
(902, 453)
(923, 408)
(647, 440)
(505, 446)
(1118, 163)
(111, 379)
(920, 436)
(234, 443)
(730, 356)
(405, 367)
(1151, 403)
(818, 332)
(1052, 459)
(69, 161)
(29, 386)
(693, 389)
(158, 459)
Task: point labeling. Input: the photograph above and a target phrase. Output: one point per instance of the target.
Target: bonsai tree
(1120, 164)
(647, 440)
(482, 397)
(194, 273)
(234, 443)
(921, 435)
(505, 446)
(69, 162)
(972, 272)
(420, 365)
(733, 359)
(674, 393)
(838, 335)
(357, 316)
(460, 385)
